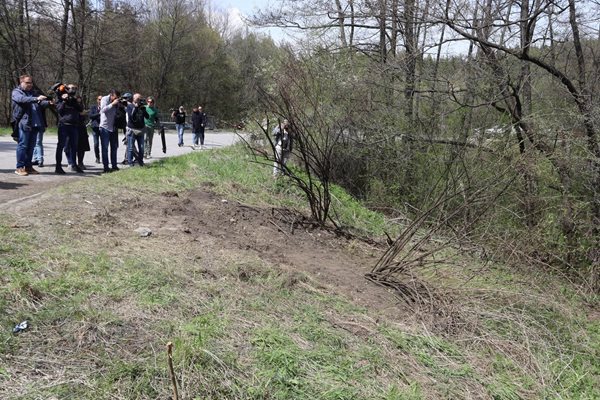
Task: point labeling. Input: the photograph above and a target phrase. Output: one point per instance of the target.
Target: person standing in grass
(28, 117)
(282, 139)
(151, 123)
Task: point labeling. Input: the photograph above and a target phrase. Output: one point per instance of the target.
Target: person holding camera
(69, 122)
(108, 130)
(179, 118)
(150, 123)
(136, 124)
(198, 123)
(27, 117)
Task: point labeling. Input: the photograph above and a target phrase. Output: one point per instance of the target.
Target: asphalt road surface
(14, 187)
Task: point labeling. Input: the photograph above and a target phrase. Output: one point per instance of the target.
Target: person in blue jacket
(27, 115)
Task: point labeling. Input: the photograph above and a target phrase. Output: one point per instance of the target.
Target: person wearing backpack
(136, 115)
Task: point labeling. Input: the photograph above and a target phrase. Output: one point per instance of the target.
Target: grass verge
(102, 304)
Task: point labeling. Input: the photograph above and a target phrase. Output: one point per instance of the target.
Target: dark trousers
(199, 135)
(67, 141)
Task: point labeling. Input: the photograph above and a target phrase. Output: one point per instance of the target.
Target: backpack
(137, 118)
(120, 118)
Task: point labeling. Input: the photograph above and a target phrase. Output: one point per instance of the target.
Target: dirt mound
(280, 236)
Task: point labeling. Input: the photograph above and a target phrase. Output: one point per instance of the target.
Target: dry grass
(103, 302)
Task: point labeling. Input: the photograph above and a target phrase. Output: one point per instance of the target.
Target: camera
(125, 99)
(142, 102)
(59, 89)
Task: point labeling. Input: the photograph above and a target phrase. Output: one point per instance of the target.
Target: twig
(171, 371)
(279, 228)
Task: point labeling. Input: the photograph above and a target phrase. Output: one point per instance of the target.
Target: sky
(245, 6)
(239, 8)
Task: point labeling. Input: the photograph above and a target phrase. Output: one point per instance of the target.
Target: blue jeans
(107, 137)
(38, 151)
(25, 146)
(132, 139)
(96, 136)
(199, 136)
(180, 129)
(68, 136)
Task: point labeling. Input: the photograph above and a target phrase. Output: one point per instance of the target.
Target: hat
(127, 96)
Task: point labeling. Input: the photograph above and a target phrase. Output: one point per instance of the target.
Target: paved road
(14, 187)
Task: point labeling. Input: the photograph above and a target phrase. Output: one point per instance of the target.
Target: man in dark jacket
(94, 116)
(27, 115)
(69, 121)
(198, 124)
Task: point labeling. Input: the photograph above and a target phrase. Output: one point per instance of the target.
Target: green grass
(103, 303)
(232, 172)
(7, 131)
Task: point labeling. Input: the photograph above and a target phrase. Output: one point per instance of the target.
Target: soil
(281, 237)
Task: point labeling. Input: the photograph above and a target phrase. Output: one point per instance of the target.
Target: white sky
(239, 8)
(245, 6)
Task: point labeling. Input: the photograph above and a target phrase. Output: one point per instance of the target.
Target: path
(14, 187)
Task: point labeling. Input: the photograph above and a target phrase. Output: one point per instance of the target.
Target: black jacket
(94, 116)
(179, 117)
(198, 121)
(69, 111)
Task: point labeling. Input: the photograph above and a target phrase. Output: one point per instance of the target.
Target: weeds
(102, 303)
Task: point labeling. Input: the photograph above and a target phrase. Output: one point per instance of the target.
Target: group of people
(198, 124)
(136, 116)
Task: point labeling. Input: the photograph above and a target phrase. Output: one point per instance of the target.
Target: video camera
(59, 89)
(126, 98)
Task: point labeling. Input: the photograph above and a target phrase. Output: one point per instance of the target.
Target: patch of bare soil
(202, 218)
(279, 236)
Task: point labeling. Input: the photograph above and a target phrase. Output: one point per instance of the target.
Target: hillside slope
(258, 303)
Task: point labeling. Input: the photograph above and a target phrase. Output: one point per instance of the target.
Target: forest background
(479, 118)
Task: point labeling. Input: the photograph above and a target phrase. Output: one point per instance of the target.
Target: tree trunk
(63, 40)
